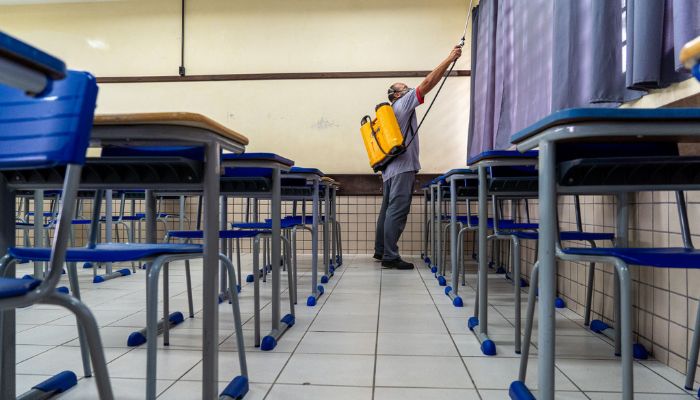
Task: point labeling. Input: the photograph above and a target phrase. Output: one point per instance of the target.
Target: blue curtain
(539, 56)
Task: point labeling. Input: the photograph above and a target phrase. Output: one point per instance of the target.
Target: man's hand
(434, 77)
(455, 54)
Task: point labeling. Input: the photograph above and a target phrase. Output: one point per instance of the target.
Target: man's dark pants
(396, 204)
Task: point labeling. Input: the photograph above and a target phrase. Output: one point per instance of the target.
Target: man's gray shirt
(408, 161)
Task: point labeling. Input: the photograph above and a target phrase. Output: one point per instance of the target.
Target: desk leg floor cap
(236, 389)
(488, 347)
(518, 391)
(441, 280)
(640, 352)
(135, 339)
(472, 323)
(289, 320)
(268, 343)
(324, 279)
(457, 302)
(559, 303)
(58, 383)
(598, 326)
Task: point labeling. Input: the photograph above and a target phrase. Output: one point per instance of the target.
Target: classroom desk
(453, 177)
(277, 164)
(601, 126)
(313, 175)
(179, 129)
(481, 163)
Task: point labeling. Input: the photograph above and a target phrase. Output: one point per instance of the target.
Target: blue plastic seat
(460, 171)
(301, 170)
(507, 224)
(251, 225)
(669, 257)
(28, 224)
(267, 225)
(227, 234)
(107, 252)
(568, 235)
(501, 154)
(299, 220)
(474, 220)
(511, 225)
(12, 287)
(257, 157)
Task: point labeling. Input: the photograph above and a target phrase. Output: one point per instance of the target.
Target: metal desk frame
(546, 141)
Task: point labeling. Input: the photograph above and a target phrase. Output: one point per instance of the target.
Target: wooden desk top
(171, 118)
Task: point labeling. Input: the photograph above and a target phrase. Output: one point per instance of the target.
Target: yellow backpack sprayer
(382, 135)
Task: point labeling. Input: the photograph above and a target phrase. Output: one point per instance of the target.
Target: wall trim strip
(272, 76)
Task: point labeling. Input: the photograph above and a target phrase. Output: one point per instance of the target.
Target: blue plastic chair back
(51, 130)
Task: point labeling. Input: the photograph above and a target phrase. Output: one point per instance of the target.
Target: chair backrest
(50, 130)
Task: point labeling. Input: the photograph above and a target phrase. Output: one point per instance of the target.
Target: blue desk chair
(269, 342)
(48, 131)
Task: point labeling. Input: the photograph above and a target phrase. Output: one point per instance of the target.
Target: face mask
(401, 92)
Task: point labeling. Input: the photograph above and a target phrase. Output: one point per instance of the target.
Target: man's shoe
(377, 256)
(397, 264)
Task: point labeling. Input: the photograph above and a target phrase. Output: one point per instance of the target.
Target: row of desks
(172, 130)
(589, 134)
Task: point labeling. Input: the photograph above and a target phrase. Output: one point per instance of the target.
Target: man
(400, 174)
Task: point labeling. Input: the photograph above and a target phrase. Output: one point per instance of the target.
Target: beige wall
(314, 122)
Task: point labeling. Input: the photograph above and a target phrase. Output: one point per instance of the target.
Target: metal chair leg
(693, 355)
(188, 280)
(516, 290)
(92, 333)
(531, 300)
(626, 342)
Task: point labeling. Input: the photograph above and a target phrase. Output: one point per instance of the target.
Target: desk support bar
(210, 284)
(454, 256)
(547, 268)
(7, 317)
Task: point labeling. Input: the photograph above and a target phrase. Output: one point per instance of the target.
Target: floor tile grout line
(471, 379)
(291, 354)
(376, 335)
(576, 358)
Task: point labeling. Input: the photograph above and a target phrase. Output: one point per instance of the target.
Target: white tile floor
(375, 334)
